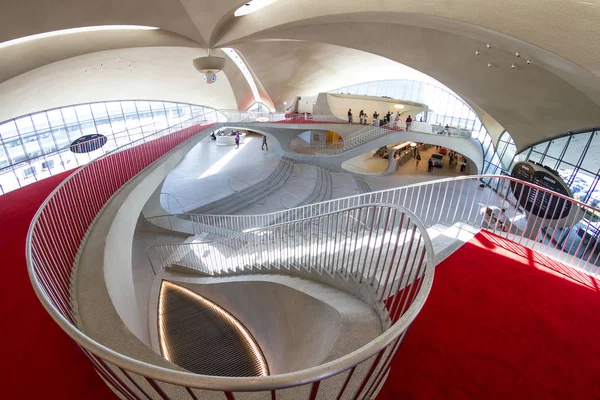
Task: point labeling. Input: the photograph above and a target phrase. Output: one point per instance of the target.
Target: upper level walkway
(356, 140)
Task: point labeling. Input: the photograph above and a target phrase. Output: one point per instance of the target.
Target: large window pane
(557, 146)
(8, 130)
(84, 113)
(591, 162)
(576, 148)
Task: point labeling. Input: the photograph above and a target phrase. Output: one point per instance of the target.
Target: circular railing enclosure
(62, 222)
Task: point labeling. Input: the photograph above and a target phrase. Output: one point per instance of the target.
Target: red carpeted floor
(502, 324)
(38, 359)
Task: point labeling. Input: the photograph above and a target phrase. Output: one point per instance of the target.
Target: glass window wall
(446, 108)
(33, 147)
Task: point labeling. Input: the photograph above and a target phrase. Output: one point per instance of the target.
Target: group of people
(387, 118)
(233, 133)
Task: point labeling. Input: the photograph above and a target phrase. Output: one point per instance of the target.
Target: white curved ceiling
(300, 47)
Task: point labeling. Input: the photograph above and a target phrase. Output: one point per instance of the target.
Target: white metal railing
(72, 156)
(61, 224)
(382, 249)
(446, 202)
(168, 198)
(288, 118)
(362, 136)
(439, 129)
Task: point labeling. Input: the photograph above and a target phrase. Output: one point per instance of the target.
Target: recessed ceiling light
(252, 6)
(75, 30)
(398, 106)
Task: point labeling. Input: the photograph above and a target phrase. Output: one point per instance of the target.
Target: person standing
(361, 116)
(376, 118)
(430, 165)
(408, 122)
(264, 143)
(349, 115)
(237, 140)
(418, 158)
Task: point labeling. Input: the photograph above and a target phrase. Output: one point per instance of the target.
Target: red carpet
(511, 324)
(38, 359)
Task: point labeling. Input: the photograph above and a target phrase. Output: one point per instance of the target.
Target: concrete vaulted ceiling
(302, 47)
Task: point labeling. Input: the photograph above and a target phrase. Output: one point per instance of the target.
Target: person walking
(408, 122)
(349, 115)
(237, 140)
(418, 158)
(430, 165)
(264, 143)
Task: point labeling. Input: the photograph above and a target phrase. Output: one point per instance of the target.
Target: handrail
(266, 195)
(390, 252)
(294, 196)
(430, 198)
(61, 223)
(68, 147)
(57, 231)
(236, 116)
(169, 195)
(355, 139)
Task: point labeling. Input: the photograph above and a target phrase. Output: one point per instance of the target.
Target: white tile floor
(210, 172)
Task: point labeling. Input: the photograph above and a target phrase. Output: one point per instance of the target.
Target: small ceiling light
(513, 66)
(399, 106)
(489, 46)
(476, 52)
(413, 145)
(489, 64)
(262, 119)
(518, 54)
(252, 6)
(285, 103)
(528, 61)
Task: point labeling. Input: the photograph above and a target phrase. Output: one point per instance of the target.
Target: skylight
(74, 30)
(252, 6)
(231, 53)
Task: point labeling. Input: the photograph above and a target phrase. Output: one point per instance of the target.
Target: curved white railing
(59, 228)
(446, 202)
(382, 248)
(62, 222)
(287, 118)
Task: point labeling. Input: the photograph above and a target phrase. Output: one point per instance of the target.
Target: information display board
(538, 202)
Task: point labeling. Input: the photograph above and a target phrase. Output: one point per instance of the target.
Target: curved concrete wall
(340, 103)
(108, 247)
